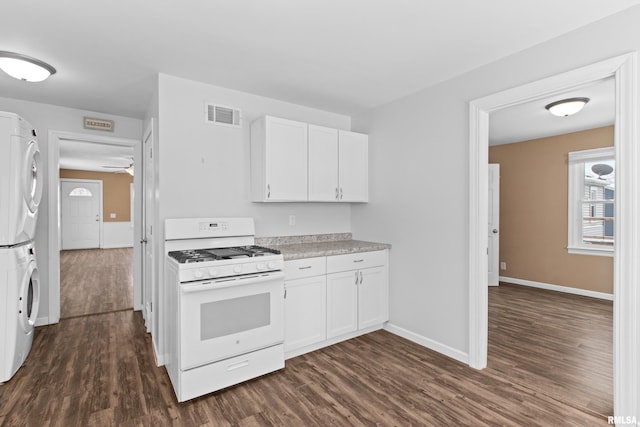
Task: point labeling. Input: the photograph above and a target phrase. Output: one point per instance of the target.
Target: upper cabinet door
(323, 164)
(353, 166)
(278, 160)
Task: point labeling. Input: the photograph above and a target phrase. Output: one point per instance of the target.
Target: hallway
(94, 281)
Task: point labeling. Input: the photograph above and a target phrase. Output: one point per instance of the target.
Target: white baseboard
(160, 359)
(566, 289)
(451, 352)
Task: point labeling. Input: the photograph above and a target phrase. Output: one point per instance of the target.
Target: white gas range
(225, 319)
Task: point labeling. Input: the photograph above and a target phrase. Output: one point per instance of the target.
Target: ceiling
(92, 156)
(335, 55)
(532, 121)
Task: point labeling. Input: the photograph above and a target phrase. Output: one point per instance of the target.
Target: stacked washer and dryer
(20, 194)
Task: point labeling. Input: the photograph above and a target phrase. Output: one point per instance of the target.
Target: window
(80, 192)
(591, 201)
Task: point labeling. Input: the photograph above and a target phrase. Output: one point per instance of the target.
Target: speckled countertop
(297, 247)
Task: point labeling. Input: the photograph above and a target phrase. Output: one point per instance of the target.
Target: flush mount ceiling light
(566, 107)
(24, 67)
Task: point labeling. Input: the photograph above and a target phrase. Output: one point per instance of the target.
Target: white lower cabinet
(356, 300)
(333, 298)
(305, 312)
(342, 303)
(373, 301)
(305, 304)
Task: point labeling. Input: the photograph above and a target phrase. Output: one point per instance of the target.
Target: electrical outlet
(292, 220)
(112, 215)
(503, 265)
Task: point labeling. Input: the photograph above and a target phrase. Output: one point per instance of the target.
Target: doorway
(57, 139)
(558, 344)
(626, 304)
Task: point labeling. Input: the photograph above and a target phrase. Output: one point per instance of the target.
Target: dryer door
(32, 173)
(29, 298)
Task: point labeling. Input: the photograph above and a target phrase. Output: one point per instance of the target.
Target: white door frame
(493, 228)
(100, 207)
(146, 266)
(54, 212)
(626, 305)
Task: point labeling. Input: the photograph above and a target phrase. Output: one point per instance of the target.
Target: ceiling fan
(122, 169)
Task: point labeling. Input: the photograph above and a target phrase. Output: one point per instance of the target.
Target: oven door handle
(228, 282)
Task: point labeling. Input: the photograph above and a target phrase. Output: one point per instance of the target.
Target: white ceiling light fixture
(23, 67)
(566, 107)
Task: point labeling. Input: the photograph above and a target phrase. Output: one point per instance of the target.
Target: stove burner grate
(215, 254)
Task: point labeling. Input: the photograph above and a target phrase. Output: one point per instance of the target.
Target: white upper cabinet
(323, 164)
(294, 161)
(278, 160)
(353, 166)
(338, 165)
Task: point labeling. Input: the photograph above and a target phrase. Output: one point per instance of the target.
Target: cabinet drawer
(228, 372)
(306, 267)
(356, 261)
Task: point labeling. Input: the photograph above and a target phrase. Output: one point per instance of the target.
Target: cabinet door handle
(337, 194)
(358, 260)
(304, 268)
(268, 191)
(340, 193)
(356, 277)
(361, 278)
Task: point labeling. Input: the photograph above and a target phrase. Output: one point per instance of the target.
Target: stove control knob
(260, 266)
(213, 272)
(237, 269)
(271, 265)
(198, 274)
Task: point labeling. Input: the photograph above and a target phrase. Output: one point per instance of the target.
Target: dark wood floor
(95, 281)
(556, 343)
(98, 370)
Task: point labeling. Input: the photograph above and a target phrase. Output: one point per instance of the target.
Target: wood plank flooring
(95, 281)
(99, 370)
(556, 343)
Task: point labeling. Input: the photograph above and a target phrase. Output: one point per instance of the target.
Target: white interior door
(81, 206)
(147, 232)
(494, 224)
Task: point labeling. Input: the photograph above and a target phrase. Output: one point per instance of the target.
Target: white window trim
(577, 159)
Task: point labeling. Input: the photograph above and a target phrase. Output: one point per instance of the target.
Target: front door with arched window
(80, 213)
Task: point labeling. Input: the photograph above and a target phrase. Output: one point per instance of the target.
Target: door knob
(495, 231)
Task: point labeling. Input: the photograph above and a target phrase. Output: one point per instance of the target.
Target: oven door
(230, 316)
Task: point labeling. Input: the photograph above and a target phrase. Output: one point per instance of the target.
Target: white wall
(419, 176)
(117, 234)
(205, 168)
(45, 117)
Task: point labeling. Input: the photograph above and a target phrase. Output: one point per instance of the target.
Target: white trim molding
(558, 288)
(54, 208)
(626, 300)
(428, 343)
